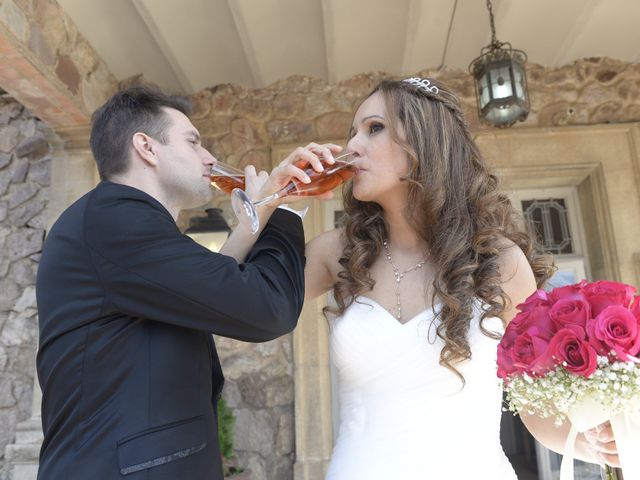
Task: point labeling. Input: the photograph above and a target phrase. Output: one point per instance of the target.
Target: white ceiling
(188, 45)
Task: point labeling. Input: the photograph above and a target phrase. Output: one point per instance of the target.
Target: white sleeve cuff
(300, 213)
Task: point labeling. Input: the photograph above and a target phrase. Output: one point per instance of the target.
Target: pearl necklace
(399, 276)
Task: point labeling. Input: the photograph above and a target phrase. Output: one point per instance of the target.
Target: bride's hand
(296, 162)
(261, 185)
(603, 444)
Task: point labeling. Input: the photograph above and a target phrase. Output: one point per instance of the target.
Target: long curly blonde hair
(454, 204)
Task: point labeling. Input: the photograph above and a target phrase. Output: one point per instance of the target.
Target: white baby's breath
(614, 385)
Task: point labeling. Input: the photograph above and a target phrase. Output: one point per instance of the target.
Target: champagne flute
(232, 180)
(226, 178)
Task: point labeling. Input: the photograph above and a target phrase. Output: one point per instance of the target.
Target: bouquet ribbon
(589, 413)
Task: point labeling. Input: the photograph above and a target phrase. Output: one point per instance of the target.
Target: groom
(127, 304)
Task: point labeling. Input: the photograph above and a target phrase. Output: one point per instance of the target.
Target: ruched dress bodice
(403, 415)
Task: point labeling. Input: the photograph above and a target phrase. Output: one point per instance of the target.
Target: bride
(426, 272)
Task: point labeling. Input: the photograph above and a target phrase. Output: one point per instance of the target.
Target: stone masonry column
(73, 173)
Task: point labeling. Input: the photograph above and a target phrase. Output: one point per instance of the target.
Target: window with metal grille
(550, 221)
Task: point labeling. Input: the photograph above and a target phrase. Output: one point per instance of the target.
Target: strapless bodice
(403, 415)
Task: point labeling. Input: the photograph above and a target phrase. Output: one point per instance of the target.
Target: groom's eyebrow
(193, 133)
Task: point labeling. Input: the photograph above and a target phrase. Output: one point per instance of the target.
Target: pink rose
(569, 348)
(529, 352)
(536, 299)
(635, 306)
(570, 312)
(615, 328)
(603, 294)
(524, 341)
(505, 362)
(568, 292)
(536, 316)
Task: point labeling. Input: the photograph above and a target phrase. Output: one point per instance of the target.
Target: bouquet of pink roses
(572, 353)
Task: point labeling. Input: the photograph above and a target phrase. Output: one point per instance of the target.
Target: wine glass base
(244, 210)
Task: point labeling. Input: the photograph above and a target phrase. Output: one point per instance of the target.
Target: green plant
(226, 424)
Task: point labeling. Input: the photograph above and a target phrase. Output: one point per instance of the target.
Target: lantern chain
(495, 44)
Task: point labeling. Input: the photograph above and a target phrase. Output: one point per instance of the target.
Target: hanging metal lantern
(210, 231)
(501, 82)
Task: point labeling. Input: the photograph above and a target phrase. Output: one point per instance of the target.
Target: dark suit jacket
(129, 372)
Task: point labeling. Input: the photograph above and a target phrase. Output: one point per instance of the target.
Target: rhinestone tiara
(422, 84)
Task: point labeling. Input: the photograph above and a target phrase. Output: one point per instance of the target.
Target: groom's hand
(254, 182)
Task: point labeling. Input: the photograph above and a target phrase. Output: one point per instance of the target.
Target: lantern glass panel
(484, 90)
(501, 82)
(211, 240)
(506, 115)
(519, 80)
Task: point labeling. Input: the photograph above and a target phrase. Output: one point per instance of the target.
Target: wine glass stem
(268, 199)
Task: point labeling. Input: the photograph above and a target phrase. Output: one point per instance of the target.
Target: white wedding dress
(403, 415)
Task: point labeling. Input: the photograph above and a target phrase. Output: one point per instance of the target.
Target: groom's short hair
(135, 109)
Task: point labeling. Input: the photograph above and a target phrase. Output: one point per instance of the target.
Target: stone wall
(241, 125)
(259, 390)
(48, 64)
(24, 190)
